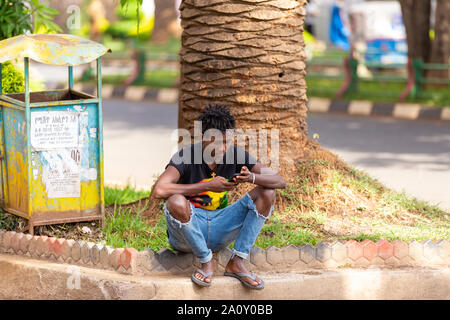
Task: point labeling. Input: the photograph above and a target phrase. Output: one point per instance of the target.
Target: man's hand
(220, 184)
(245, 176)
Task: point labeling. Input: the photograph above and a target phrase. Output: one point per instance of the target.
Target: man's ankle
(206, 264)
(235, 261)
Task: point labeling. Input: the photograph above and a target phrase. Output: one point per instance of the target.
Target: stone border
(130, 93)
(315, 105)
(332, 255)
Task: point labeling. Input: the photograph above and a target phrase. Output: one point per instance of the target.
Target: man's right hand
(220, 184)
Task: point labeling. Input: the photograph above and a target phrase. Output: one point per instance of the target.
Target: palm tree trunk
(248, 55)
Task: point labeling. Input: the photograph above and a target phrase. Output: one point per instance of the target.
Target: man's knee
(179, 207)
(268, 195)
(264, 199)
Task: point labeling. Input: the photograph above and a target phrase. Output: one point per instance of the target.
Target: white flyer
(61, 173)
(52, 130)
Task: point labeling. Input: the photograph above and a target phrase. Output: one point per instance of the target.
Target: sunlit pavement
(405, 155)
(137, 141)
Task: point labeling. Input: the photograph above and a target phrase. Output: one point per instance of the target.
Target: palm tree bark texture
(248, 55)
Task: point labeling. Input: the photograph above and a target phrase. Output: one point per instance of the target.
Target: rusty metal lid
(53, 49)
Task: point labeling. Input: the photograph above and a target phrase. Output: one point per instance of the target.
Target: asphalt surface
(410, 156)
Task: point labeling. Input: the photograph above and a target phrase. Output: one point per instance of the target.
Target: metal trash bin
(52, 141)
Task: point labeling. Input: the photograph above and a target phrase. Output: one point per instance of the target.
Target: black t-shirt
(192, 168)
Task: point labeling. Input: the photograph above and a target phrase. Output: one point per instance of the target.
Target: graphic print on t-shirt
(209, 200)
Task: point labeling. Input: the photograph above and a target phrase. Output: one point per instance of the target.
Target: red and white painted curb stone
(324, 255)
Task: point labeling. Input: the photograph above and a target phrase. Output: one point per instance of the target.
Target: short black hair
(216, 117)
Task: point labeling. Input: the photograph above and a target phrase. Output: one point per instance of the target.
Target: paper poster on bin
(52, 130)
(61, 173)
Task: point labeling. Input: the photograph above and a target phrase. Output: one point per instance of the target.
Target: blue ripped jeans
(213, 230)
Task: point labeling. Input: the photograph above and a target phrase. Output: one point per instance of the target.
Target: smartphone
(235, 175)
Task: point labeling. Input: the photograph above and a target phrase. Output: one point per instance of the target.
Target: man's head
(216, 117)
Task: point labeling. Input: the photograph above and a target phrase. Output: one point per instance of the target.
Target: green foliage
(12, 79)
(133, 23)
(20, 16)
(137, 4)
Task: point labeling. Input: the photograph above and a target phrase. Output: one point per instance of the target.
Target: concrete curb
(368, 108)
(130, 93)
(25, 278)
(315, 105)
(148, 262)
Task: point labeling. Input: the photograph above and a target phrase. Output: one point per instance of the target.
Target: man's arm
(167, 185)
(262, 176)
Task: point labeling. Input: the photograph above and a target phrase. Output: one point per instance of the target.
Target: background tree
(440, 50)
(248, 55)
(97, 14)
(416, 18)
(166, 21)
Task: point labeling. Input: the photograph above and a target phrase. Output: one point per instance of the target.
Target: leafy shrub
(12, 79)
(20, 16)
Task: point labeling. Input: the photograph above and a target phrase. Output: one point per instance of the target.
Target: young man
(197, 215)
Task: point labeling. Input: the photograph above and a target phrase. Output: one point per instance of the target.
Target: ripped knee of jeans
(252, 207)
(176, 221)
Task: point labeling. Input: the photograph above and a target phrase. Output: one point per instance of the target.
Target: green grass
(123, 195)
(153, 79)
(120, 47)
(279, 234)
(387, 92)
(124, 229)
(172, 46)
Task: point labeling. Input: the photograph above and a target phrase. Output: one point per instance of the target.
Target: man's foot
(206, 268)
(236, 265)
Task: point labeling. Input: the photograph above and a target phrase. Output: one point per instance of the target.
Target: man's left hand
(245, 176)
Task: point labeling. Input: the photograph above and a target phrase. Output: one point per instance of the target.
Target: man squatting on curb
(196, 211)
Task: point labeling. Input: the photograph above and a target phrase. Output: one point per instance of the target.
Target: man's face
(214, 146)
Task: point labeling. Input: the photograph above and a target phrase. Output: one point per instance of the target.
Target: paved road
(405, 155)
(136, 140)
